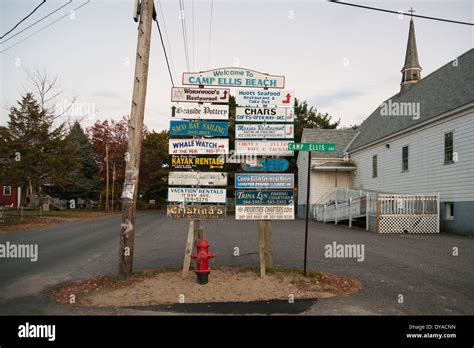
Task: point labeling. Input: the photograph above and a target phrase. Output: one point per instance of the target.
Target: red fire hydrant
(202, 260)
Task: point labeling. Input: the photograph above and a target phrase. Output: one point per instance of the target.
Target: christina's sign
(197, 212)
(199, 146)
(233, 77)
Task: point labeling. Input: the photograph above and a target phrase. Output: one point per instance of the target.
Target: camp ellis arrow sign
(199, 111)
(200, 95)
(233, 77)
(197, 178)
(256, 97)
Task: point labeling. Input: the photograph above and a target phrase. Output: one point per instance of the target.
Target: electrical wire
(165, 31)
(210, 35)
(185, 37)
(16, 25)
(164, 50)
(399, 12)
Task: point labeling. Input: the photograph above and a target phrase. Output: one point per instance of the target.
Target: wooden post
(350, 212)
(135, 134)
(261, 246)
(200, 232)
(268, 244)
(196, 229)
(188, 250)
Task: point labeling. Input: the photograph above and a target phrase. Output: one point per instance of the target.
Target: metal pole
(307, 213)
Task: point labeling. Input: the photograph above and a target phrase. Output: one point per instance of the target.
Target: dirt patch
(225, 285)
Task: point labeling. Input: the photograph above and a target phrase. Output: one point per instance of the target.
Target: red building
(9, 194)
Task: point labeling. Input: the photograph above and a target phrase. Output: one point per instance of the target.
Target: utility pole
(106, 177)
(135, 133)
(113, 187)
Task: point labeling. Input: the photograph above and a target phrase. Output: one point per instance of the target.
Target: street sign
(199, 111)
(199, 128)
(264, 181)
(197, 178)
(233, 77)
(196, 212)
(198, 146)
(264, 114)
(198, 162)
(268, 164)
(201, 95)
(265, 212)
(256, 97)
(196, 195)
(263, 147)
(264, 131)
(312, 147)
(248, 197)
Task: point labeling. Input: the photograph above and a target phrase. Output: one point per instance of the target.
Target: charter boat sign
(233, 77)
(253, 197)
(265, 212)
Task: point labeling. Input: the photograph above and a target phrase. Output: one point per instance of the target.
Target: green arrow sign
(311, 147)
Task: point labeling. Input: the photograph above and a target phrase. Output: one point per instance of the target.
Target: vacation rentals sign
(196, 195)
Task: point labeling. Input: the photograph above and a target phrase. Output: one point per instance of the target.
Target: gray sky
(343, 60)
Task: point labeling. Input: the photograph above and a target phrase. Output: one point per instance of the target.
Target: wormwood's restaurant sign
(264, 114)
(199, 128)
(265, 131)
(255, 97)
(200, 95)
(199, 212)
(198, 111)
(197, 162)
(263, 181)
(263, 148)
(197, 178)
(198, 146)
(233, 77)
(265, 212)
(250, 197)
(196, 195)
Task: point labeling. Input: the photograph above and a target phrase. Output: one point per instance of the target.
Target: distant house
(9, 195)
(421, 140)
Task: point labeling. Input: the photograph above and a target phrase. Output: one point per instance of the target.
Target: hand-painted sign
(264, 181)
(200, 95)
(265, 212)
(264, 114)
(198, 146)
(263, 148)
(255, 97)
(199, 111)
(264, 131)
(199, 128)
(249, 197)
(196, 212)
(268, 164)
(197, 178)
(312, 147)
(198, 162)
(196, 195)
(233, 77)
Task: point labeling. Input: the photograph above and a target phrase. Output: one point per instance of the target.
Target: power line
(210, 35)
(399, 12)
(164, 50)
(16, 25)
(46, 26)
(160, 8)
(194, 55)
(185, 36)
(39, 20)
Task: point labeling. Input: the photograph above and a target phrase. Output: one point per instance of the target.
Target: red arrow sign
(287, 100)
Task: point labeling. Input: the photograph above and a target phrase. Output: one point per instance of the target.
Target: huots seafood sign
(198, 146)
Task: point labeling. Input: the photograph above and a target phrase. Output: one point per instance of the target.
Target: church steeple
(411, 72)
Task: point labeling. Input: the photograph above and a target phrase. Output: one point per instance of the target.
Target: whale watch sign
(233, 77)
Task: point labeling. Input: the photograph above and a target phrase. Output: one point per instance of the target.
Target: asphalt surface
(421, 268)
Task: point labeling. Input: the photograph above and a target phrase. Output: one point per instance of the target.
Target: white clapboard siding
(427, 172)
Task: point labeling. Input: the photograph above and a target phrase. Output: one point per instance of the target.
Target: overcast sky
(343, 60)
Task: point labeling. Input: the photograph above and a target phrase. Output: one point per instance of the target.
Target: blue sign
(268, 165)
(199, 128)
(264, 181)
(250, 197)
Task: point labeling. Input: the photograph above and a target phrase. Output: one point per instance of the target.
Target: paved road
(419, 267)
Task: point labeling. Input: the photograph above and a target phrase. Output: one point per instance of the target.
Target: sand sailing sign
(199, 128)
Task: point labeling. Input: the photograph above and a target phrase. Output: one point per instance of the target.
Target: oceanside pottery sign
(197, 162)
(233, 77)
(264, 181)
(265, 212)
(250, 197)
(264, 114)
(199, 146)
(199, 128)
(196, 212)
(197, 179)
(196, 195)
(264, 131)
(200, 111)
(263, 148)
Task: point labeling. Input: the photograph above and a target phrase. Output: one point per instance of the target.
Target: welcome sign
(199, 128)
(233, 77)
(198, 146)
